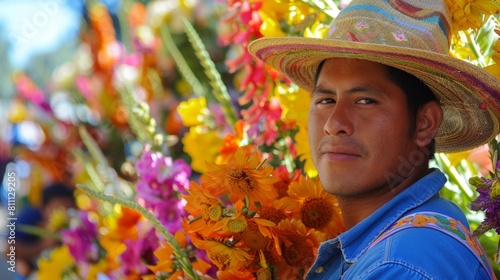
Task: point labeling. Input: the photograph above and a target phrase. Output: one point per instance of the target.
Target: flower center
(215, 212)
(206, 207)
(238, 180)
(253, 238)
(222, 261)
(237, 225)
(316, 212)
(272, 214)
(298, 254)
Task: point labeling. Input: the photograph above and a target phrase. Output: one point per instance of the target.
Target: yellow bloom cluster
(471, 14)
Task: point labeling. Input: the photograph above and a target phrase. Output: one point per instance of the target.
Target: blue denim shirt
(417, 253)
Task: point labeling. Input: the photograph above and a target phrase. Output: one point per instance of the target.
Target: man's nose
(339, 122)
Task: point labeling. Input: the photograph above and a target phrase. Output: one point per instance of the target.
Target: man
(385, 94)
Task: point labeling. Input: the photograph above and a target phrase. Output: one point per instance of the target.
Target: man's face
(359, 129)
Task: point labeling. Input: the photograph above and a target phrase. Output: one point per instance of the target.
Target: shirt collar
(356, 241)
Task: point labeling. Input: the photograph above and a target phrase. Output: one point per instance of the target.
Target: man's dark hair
(417, 94)
(56, 190)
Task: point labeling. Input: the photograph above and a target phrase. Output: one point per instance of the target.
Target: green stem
(219, 89)
(180, 62)
(38, 231)
(181, 257)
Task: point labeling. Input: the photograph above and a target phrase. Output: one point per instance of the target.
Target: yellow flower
(96, 268)
(471, 13)
(316, 208)
(242, 176)
(201, 146)
(269, 27)
(494, 69)
(194, 111)
(460, 48)
(59, 261)
(295, 103)
(317, 30)
(304, 153)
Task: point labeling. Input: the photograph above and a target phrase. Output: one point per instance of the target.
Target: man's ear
(429, 118)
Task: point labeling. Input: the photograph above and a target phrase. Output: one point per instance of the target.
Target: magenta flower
(160, 177)
(82, 241)
(139, 252)
(148, 165)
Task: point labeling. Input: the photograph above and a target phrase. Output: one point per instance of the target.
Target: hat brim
(470, 96)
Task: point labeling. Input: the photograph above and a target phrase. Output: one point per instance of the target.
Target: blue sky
(37, 26)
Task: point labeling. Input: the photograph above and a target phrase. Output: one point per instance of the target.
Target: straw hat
(412, 35)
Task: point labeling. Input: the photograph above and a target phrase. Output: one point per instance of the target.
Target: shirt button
(319, 270)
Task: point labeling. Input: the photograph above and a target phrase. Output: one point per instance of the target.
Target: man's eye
(366, 101)
(326, 101)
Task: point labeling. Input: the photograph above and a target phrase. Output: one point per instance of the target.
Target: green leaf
(495, 189)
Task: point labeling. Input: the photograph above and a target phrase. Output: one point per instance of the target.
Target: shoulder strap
(444, 224)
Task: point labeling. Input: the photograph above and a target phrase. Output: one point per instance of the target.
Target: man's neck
(355, 209)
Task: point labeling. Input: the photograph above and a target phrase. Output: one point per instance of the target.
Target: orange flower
(299, 246)
(167, 262)
(205, 209)
(242, 176)
(316, 208)
(223, 256)
(285, 179)
(231, 142)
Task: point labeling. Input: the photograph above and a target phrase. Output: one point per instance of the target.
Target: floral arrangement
(216, 180)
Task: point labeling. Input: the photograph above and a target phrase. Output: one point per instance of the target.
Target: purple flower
(490, 206)
(169, 213)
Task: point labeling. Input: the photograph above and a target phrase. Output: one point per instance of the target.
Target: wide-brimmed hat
(411, 35)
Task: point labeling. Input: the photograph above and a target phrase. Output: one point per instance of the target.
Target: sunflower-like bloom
(206, 210)
(316, 208)
(471, 13)
(167, 265)
(299, 248)
(225, 257)
(242, 176)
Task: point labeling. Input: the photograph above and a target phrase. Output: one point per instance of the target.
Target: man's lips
(337, 152)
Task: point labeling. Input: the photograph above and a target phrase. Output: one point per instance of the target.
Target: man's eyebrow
(321, 90)
(361, 88)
